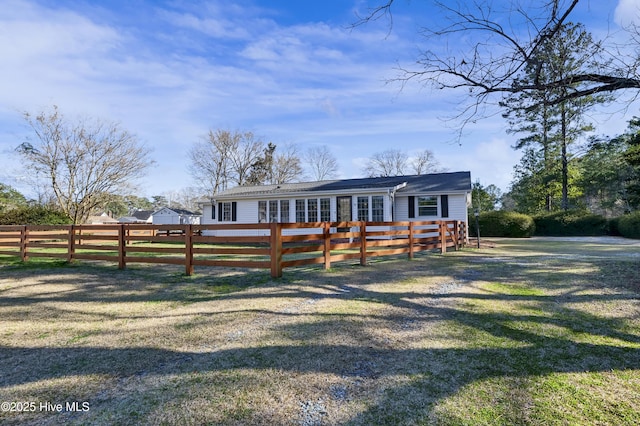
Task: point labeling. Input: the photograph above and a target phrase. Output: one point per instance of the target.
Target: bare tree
(210, 158)
(392, 162)
(287, 166)
(82, 161)
(321, 162)
(188, 198)
(502, 42)
(425, 162)
(223, 158)
(246, 152)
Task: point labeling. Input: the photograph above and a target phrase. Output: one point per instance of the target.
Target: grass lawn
(529, 332)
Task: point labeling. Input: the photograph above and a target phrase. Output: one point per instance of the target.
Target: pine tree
(550, 127)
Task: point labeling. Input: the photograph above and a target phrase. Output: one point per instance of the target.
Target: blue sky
(293, 72)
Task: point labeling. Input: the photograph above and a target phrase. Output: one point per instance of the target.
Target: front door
(344, 209)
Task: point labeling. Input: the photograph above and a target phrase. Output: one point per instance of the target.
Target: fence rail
(273, 246)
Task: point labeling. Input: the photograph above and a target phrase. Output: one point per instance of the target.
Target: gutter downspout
(392, 195)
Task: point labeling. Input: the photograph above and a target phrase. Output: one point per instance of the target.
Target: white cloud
(490, 161)
(216, 26)
(185, 71)
(627, 12)
(28, 31)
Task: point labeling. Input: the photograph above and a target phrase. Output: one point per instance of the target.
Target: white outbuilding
(175, 216)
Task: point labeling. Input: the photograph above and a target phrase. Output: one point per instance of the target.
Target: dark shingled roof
(179, 211)
(142, 214)
(429, 183)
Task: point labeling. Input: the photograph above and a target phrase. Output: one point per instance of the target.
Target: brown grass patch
(503, 335)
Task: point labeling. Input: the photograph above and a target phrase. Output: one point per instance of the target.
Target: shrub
(629, 225)
(571, 223)
(503, 224)
(614, 226)
(34, 215)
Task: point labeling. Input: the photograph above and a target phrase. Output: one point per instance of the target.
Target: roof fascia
(305, 194)
(411, 193)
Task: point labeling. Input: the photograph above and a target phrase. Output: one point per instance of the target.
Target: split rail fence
(273, 246)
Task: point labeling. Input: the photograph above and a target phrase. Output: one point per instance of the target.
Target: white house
(174, 216)
(102, 219)
(398, 198)
(139, 216)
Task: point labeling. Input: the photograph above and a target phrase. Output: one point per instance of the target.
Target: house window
(273, 210)
(284, 211)
(325, 209)
(268, 210)
(363, 208)
(227, 211)
(312, 210)
(262, 211)
(300, 211)
(428, 206)
(312, 205)
(377, 208)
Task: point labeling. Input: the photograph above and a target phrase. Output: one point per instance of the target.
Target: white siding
(165, 217)
(457, 209)
(401, 208)
(206, 214)
(247, 211)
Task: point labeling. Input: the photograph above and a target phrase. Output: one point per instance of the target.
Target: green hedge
(34, 215)
(571, 223)
(503, 224)
(629, 225)
(557, 224)
(614, 225)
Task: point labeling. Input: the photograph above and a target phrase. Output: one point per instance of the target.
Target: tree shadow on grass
(433, 374)
(559, 339)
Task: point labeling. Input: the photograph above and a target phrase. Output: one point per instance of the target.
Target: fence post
(188, 248)
(326, 237)
(122, 252)
(24, 236)
(465, 234)
(411, 240)
(363, 243)
(71, 243)
(443, 237)
(276, 250)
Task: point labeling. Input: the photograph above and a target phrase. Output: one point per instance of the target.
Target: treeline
(600, 195)
(87, 166)
(603, 178)
(223, 159)
(563, 185)
(603, 193)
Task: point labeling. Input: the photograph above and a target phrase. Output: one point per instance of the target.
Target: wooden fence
(273, 246)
